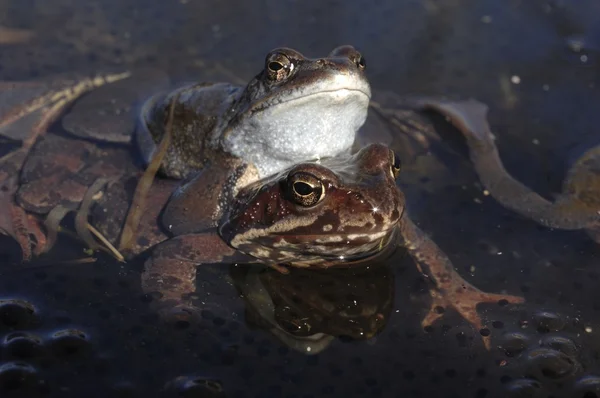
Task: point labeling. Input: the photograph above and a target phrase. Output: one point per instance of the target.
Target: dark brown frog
(242, 133)
(340, 212)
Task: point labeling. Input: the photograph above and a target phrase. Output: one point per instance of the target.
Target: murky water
(90, 331)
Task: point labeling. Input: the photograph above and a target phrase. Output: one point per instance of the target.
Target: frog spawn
(192, 383)
(25, 348)
(451, 291)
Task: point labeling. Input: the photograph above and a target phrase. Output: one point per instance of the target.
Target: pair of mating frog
(243, 186)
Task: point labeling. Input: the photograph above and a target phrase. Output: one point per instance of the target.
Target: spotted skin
(359, 216)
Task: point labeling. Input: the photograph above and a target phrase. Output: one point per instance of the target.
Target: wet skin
(296, 108)
(241, 133)
(577, 207)
(341, 212)
(209, 216)
(334, 87)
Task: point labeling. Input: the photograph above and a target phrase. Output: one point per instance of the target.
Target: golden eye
(275, 66)
(278, 66)
(305, 189)
(395, 164)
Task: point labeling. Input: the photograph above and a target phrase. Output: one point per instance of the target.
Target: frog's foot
(405, 122)
(449, 288)
(15, 222)
(170, 272)
(27, 231)
(469, 117)
(465, 300)
(170, 281)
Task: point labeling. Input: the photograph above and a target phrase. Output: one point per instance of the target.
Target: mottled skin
(268, 122)
(577, 207)
(207, 117)
(352, 211)
(241, 220)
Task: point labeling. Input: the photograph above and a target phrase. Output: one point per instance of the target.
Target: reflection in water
(308, 310)
(459, 47)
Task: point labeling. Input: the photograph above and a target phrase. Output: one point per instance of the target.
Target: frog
(259, 123)
(341, 213)
(218, 126)
(294, 109)
(112, 110)
(576, 207)
(207, 217)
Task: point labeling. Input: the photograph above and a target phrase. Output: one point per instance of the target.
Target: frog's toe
(436, 309)
(39, 236)
(26, 230)
(465, 302)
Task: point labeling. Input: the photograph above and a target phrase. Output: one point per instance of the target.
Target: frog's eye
(278, 66)
(305, 189)
(395, 164)
(361, 62)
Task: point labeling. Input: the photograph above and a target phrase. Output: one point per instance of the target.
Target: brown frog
(295, 109)
(340, 212)
(240, 133)
(577, 207)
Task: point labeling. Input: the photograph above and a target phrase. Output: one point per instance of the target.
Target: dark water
(91, 333)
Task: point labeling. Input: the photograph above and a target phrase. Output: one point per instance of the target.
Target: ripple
(195, 386)
(524, 388)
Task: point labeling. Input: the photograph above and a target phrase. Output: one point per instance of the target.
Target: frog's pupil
(275, 66)
(303, 188)
(362, 62)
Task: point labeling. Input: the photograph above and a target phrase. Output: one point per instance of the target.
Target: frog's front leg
(450, 290)
(171, 271)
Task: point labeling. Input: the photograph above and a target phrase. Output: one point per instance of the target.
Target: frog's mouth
(339, 96)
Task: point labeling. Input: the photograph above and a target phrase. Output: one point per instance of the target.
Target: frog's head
(314, 214)
(297, 108)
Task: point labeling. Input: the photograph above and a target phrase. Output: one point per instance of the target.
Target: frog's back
(198, 110)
